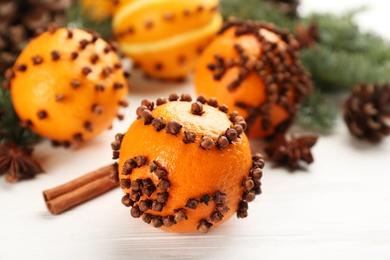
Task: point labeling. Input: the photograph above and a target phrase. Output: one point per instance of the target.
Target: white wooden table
(338, 209)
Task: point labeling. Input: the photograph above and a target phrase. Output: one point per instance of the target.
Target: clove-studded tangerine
(165, 38)
(191, 174)
(254, 68)
(68, 85)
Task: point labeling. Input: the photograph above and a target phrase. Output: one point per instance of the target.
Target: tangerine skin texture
(191, 170)
(48, 86)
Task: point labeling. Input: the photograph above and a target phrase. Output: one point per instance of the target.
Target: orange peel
(68, 85)
(254, 68)
(186, 166)
(166, 37)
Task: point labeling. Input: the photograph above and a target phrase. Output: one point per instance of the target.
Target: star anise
(17, 163)
(290, 150)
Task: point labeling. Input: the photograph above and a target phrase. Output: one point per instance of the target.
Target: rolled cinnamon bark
(80, 190)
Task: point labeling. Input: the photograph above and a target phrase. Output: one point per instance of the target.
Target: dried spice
(168, 221)
(202, 99)
(205, 199)
(91, 185)
(157, 221)
(150, 194)
(222, 142)
(148, 104)
(206, 143)
(127, 201)
(290, 150)
(216, 217)
(204, 226)
(186, 98)
(135, 212)
(164, 184)
(160, 101)
(231, 134)
(189, 137)
(158, 123)
(17, 163)
(147, 116)
(145, 205)
(160, 172)
(173, 127)
(173, 97)
(157, 206)
(162, 197)
(180, 215)
(197, 108)
(192, 204)
(242, 209)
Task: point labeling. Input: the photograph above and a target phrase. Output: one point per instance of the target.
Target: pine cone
(290, 150)
(367, 112)
(20, 19)
(286, 7)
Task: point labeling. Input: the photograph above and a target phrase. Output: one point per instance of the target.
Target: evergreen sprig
(337, 69)
(258, 10)
(345, 56)
(10, 130)
(316, 113)
(78, 19)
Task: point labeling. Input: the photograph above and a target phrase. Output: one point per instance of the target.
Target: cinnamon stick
(80, 190)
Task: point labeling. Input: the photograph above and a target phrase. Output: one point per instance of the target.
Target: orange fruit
(165, 38)
(68, 85)
(186, 166)
(254, 68)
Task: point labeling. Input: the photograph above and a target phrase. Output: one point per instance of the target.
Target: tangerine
(254, 68)
(186, 166)
(68, 85)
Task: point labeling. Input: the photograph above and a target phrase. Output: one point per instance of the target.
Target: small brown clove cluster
(144, 112)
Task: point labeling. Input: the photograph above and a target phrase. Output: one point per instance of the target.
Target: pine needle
(317, 113)
(77, 19)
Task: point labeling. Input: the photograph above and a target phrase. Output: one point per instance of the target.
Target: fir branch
(78, 19)
(317, 113)
(341, 33)
(338, 70)
(256, 10)
(10, 130)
